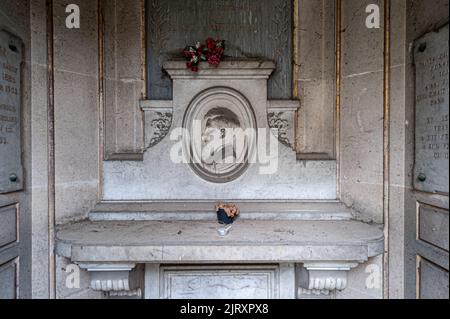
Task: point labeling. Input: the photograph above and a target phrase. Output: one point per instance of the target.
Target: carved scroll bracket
(322, 279)
(158, 117)
(281, 116)
(117, 280)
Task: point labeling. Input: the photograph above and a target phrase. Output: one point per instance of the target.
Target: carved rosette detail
(276, 121)
(160, 126)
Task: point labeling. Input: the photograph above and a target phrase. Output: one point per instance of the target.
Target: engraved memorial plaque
(432, 111)
(11, 174)
(251, 29)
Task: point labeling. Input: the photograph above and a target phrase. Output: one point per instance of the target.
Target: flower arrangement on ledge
(211, 52)
(226, 213)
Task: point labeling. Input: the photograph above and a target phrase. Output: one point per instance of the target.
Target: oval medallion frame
(209, 119)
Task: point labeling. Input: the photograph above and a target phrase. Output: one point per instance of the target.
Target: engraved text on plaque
(431, 158)
(11, 174)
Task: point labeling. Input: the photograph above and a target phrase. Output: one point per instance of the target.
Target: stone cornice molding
(237, 69)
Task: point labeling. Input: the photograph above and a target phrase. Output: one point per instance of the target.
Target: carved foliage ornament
(281, 124)
(160, 127)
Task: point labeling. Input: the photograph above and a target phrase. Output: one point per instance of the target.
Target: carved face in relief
(217, 121)
(219, 153)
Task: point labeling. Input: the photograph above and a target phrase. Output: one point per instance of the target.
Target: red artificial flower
(188, 54)
(210, 43)
(212, 52)
(193, 67)
(214, 59)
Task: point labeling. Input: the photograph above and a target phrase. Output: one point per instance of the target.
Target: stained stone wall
(400, 149)
(39, 166)
(361, 124)
(76, 130)
(362, 120)
(76, 123)
(76, 111)
(409, 20)
(14, 17)
(124, 72)
(317, 79)
(361, 142)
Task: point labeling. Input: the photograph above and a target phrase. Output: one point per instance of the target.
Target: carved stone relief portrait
(220, 142)
(219, 129)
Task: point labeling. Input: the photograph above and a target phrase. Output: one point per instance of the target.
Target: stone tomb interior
(293, 238)
(155, 233)
(328, 130)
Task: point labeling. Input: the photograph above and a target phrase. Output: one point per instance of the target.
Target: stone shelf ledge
(198, 242)
(202, 211)
(114, 252)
